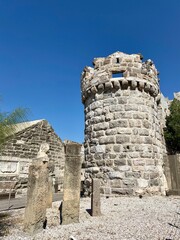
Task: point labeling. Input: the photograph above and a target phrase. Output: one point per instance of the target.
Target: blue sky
(45, 44)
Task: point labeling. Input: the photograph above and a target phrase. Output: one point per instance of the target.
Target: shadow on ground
(4, 223)
(7, 221)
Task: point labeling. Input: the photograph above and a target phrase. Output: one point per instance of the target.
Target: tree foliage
(172, 130)
(8, 123)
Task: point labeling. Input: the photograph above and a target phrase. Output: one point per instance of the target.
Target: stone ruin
(124, 143)
(37, 194)
(72, 183)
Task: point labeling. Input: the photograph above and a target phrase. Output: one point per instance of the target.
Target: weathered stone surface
(122, 139)
(72, 180)
(35, 212)
(95, 198)
(142, 183)
(19, 151)
(116, 175)
(92, 170)
(50, 192)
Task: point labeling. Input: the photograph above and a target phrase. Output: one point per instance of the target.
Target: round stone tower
(123, 140)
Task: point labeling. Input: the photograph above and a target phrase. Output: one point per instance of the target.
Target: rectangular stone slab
(35, 212)
(72, 181)
(95, 198)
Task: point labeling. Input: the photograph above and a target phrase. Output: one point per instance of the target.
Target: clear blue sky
(45, 44)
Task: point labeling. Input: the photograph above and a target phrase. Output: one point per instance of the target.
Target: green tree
(8, 123)
(172, 130)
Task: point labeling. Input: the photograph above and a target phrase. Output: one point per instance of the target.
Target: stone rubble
(123, 218)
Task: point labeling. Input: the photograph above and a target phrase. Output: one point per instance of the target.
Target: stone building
(124, 144)
(19, 150)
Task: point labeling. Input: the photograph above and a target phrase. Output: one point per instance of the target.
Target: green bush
(8, 123)
(172, 130)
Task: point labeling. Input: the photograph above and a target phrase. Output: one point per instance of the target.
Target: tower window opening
(117, 60)
(117, 74)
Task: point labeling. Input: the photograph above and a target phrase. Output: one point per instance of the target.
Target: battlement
(120, 70)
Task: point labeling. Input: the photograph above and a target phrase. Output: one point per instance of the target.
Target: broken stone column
(95, 198)
(35, 212)
(72, 182)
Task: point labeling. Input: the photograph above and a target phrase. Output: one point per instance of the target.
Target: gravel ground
(149, 218)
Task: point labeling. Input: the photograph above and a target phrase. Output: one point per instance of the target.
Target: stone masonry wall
(19, 151)
(123, 138)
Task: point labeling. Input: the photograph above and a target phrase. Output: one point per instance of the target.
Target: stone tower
(123, 138)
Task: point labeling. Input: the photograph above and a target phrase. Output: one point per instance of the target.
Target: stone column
(72, 181)
(35, 212)
(95, 198)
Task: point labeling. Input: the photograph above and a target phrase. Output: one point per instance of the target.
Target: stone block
(138, 168)
(134, 154)
(122, 139)
(139, 162)
(109, 102)
(99, 133)
(154, 175)
(146, 124)
(98, 112)
(105, 140)
(112, 156)
(116, 175)
(154, 182)
(101, 126)
(148, 140)
(116, 108)
(124, 168)
(72, 181)
(131, 107)
(120, 162)
(111, 132)
(92, 170)
(72, 149)
(122, 100)
(133, 174)
(95, 198)
(150, 161)
(97, 119)
(146, 155)
(124, 131)
(143, 132)
(131, 182)
(109, 117)
(118, 123)
(35, 211)
(116, 183)
(122, 115)
(135, 123)
(95, 105)
(142, 183)
(116, 148)
(100, 149)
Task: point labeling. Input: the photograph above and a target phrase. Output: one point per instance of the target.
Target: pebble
(123, 218)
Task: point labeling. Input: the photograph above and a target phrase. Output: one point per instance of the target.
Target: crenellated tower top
(120, 70)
